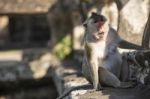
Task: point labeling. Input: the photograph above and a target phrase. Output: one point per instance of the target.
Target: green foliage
(63, 48)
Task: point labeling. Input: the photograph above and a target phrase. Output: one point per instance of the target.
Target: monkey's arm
(123, 43)
(93, 66)
(127, 45)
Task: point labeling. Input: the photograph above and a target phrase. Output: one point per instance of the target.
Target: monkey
(102, 62)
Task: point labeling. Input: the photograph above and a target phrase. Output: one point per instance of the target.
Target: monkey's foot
(127, 84)
(99, 87)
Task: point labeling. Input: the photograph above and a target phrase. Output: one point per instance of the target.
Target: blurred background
(36, 34)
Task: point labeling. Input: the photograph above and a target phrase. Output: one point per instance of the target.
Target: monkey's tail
(86, 86)
(128, 45)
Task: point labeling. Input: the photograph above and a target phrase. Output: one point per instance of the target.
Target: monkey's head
(96, 25)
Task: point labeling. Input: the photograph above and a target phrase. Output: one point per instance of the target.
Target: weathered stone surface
(28, 77)
(47, 92)
(66, 78)
(13, 67)
(133, 16)
(25, 6)
(4, 21)
(111, 13)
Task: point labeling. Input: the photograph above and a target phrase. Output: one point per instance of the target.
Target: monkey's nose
(103, 19)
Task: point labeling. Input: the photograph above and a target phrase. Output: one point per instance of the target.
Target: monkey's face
(95, 25)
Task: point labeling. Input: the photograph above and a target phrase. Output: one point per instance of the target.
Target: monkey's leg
(94, 75)
(92, 66)
(109, 79)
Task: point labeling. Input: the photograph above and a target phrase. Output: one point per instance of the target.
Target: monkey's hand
(99, 87)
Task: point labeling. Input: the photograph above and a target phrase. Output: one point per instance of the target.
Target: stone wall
(133, 16)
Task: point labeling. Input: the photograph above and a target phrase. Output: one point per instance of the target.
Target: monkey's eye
(103, 19)
(95, 21)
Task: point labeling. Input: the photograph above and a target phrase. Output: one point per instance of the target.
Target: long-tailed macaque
(102, 63)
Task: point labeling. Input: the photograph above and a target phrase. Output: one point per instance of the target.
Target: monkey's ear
(85, 23)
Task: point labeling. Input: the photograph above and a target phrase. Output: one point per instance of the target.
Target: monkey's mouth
(99, 35)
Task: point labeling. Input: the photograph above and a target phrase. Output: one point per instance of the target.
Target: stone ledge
(18, 70)
(65, 78)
